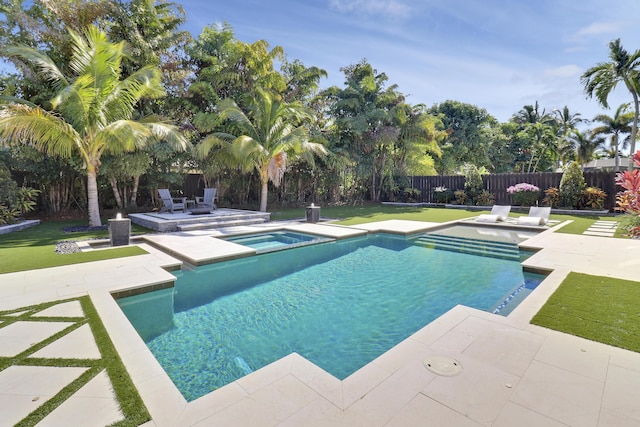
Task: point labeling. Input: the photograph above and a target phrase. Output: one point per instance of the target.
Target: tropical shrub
(486, 198)
(631, 223)
(8, 187)
(411, 195)
(552, 197)
(592, 198)
(524, 194)
(442, 194)
(8, 215)
(472, 182)
(461, 197)
(571, 185)
(628, 200)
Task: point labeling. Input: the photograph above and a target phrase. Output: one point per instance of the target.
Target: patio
(513, 373)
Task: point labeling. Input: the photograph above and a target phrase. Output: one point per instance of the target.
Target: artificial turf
(34, 247)
(597, 308)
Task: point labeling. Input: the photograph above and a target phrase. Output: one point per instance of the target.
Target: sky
(497, 54)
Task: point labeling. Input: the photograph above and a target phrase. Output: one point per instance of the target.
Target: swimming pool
(339, 304)
(275, 240)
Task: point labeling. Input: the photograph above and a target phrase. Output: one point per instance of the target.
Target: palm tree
(615, 126)
(566, 123)
(543, 141)
(601, 79)
(270, 132)
(586, 145)
(94, 108)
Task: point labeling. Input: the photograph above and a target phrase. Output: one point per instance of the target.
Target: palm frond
(121, 136)
(276, 168)
(43, 64)
(168, 133)
(211, 143)
(45, 131)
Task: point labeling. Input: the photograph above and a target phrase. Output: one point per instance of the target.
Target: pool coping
(168, 407)
(166, 403)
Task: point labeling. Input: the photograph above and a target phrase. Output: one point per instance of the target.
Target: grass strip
(597, 308)
(50, 405)
(131, 404)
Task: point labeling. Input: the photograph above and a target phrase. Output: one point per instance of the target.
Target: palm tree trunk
(263, 195)
(616, 154)
(134, 191)
(116, 192)
(531, 161)
(634, 129)
(92, 197)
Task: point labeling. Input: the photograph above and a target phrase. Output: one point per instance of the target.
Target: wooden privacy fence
(498, 184)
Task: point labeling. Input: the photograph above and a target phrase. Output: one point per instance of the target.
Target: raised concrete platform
(186, 221)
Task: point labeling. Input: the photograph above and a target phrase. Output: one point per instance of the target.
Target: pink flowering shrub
(524, 194)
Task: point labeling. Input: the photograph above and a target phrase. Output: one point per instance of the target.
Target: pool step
(508, 251)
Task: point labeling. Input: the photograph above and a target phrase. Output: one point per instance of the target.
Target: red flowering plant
(629, 199)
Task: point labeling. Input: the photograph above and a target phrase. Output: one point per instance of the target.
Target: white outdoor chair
(537, 216)
(498, 213)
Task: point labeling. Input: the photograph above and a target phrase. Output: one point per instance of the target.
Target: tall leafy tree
(467, 140)
(419, 142)
(94, 108)
(368, 118)
(601, 79)
(227, 68)
(266, 136)
(615, 126)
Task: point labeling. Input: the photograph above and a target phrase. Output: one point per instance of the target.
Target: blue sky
(496, 54)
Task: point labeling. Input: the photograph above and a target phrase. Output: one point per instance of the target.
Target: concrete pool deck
(513, 373)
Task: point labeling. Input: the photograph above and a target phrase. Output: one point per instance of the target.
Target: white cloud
(596, 29)
(563, 72)
(394, 9)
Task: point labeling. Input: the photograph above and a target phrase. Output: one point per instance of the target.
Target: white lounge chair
(537, 216)
(169, 203)
(208, 199)
(498, 213)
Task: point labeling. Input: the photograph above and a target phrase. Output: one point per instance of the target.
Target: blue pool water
(339, 304)
(275, 240)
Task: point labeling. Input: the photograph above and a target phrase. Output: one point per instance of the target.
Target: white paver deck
(513, 373)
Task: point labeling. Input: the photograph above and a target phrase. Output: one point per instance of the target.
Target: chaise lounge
(537, 216)
(498, 213)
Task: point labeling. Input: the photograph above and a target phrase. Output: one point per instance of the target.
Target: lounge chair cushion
(489, 218)
(531, 220)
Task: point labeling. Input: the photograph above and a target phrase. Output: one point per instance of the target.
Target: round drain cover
(443, 365)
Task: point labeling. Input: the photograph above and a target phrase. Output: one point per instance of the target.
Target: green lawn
(34, 247)
(597, 308)
(350, 215)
